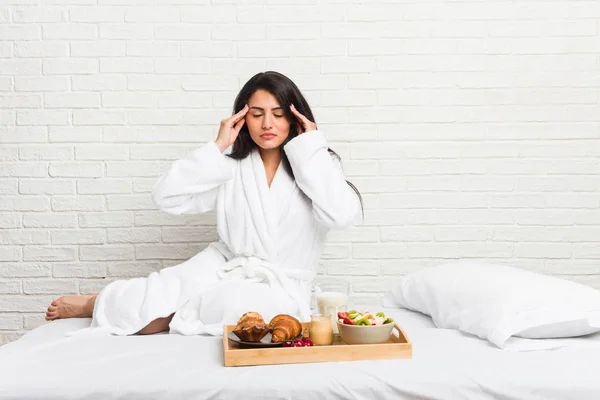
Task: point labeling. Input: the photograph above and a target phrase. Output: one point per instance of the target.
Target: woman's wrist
(221, 146)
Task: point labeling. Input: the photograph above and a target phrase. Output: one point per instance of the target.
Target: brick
(95, 117)
(24, 303)
(152, 49)
(99, 48)
(24, 237)
(24, 203)
(78, 236)
(9, 186)
(104, 82)
(106, 219)
(106, 253)
(79, 270)
(78, 203)
(20, 32)
(10, 220)
(46, 186)
(101, 152)
(183, 235)
(100, 14)
(25, 270)
(49, 253)
(91, 286)
(126, 31)
(69, 31)
(136, 168)
(126, 65)
(68, 134)
(130, 100)
(211, 49)
(23, 170)
(153, 82)
(134, 235)
(34, 321)
(10, 287)
(132, 269)
(182, 32)
(206, 14)
(70, 66)
(51, 153)
(144, 185)
(153, 14)
(42, 49)
(116, 202)
(39, 14)
(154, 152)
(543, 250)
(103, 186)
(353, 267)
(158, 218)
(9, 153)
(72, 100)
(20, 101)
(54, 220)
(11, 322)
(46, 117)
(336, 251)
(49, 286)
(167, 251)
(76, 170)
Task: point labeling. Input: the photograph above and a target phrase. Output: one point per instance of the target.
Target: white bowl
(365, 334)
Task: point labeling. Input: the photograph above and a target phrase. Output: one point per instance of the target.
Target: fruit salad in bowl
(364, 327)
(354, 317)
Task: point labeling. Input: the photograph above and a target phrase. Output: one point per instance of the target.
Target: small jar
(320, 331)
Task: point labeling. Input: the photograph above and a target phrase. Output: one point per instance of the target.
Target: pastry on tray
(251, 327)
(284, 327)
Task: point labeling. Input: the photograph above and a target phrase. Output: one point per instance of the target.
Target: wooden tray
(398, 346)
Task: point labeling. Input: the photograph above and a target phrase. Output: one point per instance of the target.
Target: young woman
(276, 195)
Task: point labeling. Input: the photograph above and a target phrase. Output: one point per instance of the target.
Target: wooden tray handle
(397, 332)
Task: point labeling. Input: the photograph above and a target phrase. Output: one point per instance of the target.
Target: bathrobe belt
(255, 269)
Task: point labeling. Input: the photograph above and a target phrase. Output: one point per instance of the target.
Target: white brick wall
(471, 128)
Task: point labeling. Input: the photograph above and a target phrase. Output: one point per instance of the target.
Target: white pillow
(497, 303)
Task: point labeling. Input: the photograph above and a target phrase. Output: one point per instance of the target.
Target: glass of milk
(331, 299)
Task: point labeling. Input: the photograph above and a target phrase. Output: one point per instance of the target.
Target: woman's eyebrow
(262, 109)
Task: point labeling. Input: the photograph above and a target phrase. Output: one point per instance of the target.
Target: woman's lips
(268, 136)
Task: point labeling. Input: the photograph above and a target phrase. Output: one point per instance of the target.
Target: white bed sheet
(45, 364)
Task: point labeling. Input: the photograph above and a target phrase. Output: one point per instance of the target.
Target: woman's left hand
(304, 124)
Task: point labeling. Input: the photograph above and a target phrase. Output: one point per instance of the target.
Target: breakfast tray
(398, 346)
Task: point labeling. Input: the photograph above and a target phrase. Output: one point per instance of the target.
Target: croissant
(251, 327)
(284, 327)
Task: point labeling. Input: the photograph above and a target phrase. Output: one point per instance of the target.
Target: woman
(276, 196)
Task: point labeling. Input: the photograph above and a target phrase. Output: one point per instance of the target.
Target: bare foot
(71, 307)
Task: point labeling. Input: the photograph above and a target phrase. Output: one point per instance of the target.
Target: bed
(446, 364)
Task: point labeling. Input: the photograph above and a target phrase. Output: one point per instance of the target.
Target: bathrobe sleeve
(321, 178)
(190, 186)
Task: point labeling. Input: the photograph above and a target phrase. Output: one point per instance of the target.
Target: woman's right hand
(230, 128)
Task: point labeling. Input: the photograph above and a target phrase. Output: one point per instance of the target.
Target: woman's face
(266, 120)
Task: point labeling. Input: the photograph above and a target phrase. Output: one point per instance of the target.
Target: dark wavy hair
(286, 92)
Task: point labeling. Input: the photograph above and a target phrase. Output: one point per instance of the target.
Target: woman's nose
(267, 122)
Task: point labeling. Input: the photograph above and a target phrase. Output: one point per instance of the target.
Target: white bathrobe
(270, 241)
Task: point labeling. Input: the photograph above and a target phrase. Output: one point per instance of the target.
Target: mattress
(446, 364)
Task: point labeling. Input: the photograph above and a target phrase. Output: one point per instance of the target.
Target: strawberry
(342, 315)
(347, 321)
